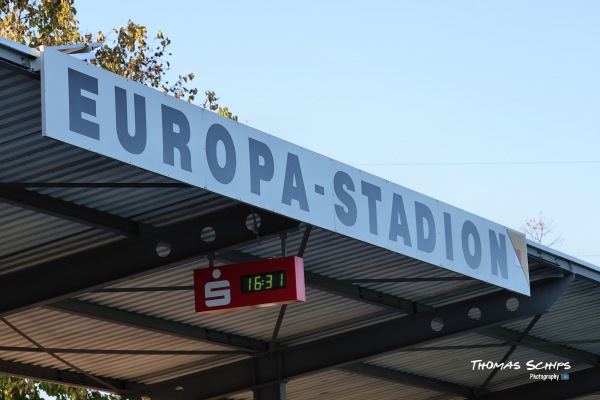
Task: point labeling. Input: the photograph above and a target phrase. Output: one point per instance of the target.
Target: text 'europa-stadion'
(99, 111)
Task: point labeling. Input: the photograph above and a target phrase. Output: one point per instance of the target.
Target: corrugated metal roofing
(29, 237)
(62, 331)
(340, 385)
(576, 313)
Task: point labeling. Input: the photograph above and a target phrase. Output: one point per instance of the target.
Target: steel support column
(133, 257)
(271, 392)
(342, 349)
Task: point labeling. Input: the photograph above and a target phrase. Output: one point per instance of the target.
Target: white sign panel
(96, 110)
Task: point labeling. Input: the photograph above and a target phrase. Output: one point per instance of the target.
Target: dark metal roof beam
(69, 211)
(544, 346)
(385, 300)
(16, 63)
(562, 262)
(134, 320)
(140, 321)
(510, 351)
(388, 301)
(63, 377)
(580, 383)
(359, 293)
(339, 350)
(106, 221)
(55, 350)
(150, 252)
(408, 379)
(338, 287)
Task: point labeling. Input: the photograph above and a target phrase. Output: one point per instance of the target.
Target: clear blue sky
(490, 106)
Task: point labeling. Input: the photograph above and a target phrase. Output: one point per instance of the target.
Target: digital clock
(265, 281)
(248, 285)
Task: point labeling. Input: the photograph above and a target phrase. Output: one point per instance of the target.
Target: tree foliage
(540, 229)
(13, 388)
(35, 23)
(126, 51)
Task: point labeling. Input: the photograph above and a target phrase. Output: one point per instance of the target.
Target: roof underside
(66, 214)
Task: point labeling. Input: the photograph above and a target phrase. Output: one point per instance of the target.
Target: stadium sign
(94, 109)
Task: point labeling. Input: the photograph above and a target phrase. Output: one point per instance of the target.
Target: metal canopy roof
(86, 299)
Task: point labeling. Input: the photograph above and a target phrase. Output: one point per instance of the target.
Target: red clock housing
(253, 284)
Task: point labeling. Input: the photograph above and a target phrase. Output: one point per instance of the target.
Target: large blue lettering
(469, 229)
(399, 223)
(341, 183)
(260, 171)
(498, 254)
(224, 174)
(425, 216)
(448, 235)
(293, 183)
(373, 194)
(79, 104)
(136, 143)
(176, 135)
